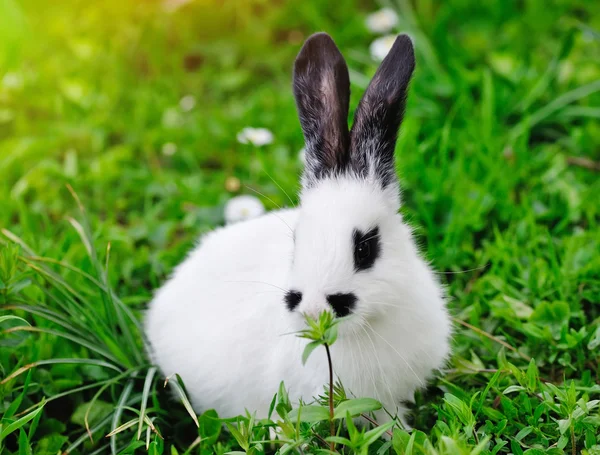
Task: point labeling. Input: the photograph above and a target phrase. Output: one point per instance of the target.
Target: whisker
(275, 203)
(263, 195)
(379, 364)
(255, 282)
(414, 311)
(354, 335)
(475, 269)
(396, 351)
(369, 369)
(280, 187)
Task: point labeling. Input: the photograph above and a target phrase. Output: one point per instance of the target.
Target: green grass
(498, 160)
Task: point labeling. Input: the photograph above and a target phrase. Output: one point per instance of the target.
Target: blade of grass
(85, 237)
(27, 367)
(491, 337)
(544, 81)
(118, 412)
(114, 316)
(125, 329)
(551, 108)
(12, 409)
(66, 393)
(94, 281)
(81, 439)
(77, 340)
(10, 317)
(19, 423)
(146, 391)
(50, 316)
(97, 323)
(120, 428)
(184, 399)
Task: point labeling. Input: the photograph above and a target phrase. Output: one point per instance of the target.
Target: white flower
(169, 149)
(187, 103)
(12, 81)
(241, 208)
(172, 118)
(382, 21)
(381, 46)
(174, 5)
(255, 136)
(302, 155)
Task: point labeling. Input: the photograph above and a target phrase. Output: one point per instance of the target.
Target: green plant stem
(332, 424)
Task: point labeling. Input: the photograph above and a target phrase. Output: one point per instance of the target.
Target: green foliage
(107, 178)
(320, 332)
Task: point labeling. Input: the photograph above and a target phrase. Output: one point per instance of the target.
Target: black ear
(322, 91)
(380, 112)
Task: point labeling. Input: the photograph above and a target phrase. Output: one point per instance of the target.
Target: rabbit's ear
(322, 92)
(380, 112)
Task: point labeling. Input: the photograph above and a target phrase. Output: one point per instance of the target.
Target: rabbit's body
(218, 321)
(225, 321)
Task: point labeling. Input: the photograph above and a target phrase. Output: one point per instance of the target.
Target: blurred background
(138, 105)
(142, 107)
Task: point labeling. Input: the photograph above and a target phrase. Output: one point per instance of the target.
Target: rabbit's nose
(313, 313)
(313, 305)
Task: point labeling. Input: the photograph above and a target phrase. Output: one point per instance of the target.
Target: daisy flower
(255, 136)
(381, 46)
(169, 149)
(187, 103)
(382, 21)
(241, 208)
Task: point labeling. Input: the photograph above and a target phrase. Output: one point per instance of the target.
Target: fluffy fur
(222, 321)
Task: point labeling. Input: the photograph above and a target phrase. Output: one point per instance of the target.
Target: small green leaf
(210, 427)
(283, 401)
(98, 410)
(555, 314)
(356, 407)
(12, 409)
(352, 430)
(239, 437)
(24, 446)
(331, 334)
(400, 440)
(310, 347)
(19, 423)
(145, 393)
(10, 317)
(153, 448)
(594, 340)
(272, 406)
(312, 413)
(178, 386)
(516, 447)
(339, 440)
(532, 375)
(373, 435)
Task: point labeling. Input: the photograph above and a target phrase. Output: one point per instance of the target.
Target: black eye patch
(342, 304)
(292, 299)
(366, 248)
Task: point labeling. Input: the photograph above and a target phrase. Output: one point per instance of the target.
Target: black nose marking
(292, 299)
(342, 304)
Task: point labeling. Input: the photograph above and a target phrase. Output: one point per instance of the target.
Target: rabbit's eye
(366, 248)
(363, 251)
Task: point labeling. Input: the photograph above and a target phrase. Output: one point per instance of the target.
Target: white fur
(221, 322)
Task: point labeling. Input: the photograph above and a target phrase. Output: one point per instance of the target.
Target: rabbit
(226, 318)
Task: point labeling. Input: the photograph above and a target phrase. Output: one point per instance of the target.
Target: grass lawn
(118, 125)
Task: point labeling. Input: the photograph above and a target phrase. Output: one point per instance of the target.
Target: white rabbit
(224, 320)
